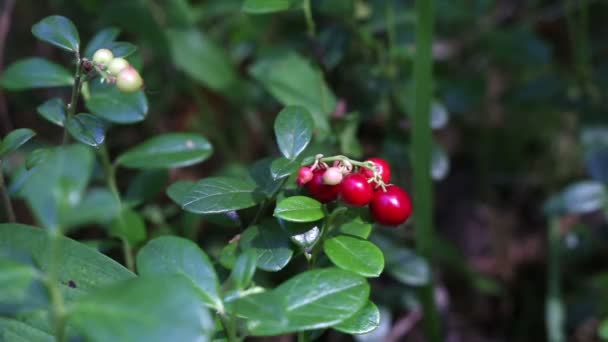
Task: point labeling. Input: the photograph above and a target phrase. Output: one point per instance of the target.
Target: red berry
(383, 168)
(304, 175)
(391, 207)
(356, 190)
(319, 190)
(332, 176)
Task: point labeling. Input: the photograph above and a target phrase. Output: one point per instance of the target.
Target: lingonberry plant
(302, 213)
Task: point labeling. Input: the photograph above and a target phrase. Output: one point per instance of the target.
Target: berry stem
(75, 94)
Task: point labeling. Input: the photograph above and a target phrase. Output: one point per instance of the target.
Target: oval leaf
(270, 243)
(59, 31)
(122, 49)
(35, 73)
(102, 39)
(364, 321)
(157, 308)
(265, 6)
(15, 139)
(167, 151)
(293, 129)
(53, 110)
(87, 129)
(402, 263)
(115, 106)
(354, 254)
(175, 255)
(129, 225)
(299, 209)
(283, 167)
(216, 195)
(311, 300)
(244, 269)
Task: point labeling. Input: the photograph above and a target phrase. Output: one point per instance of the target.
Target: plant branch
(75, 94)
(6, 199)
(554, 308)
(422, 142)
(310, 22)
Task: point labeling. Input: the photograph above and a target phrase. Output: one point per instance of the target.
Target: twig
(5, 23)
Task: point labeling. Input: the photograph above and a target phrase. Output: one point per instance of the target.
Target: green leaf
(357, 228)
(102, 39)
(130, 226)
(87, 128)
(293, 128)
(355, 254)
(402, 263)
(15, 139)
(228, 256)
(59, 31)
(364, 321)
(12, 330)
(16, 278)
(305, 234)
(122, 49)
(292, 80)
(84, 266)
(244, 269)
(175, 255)
(58, 183)
(159, 308)
(270, 243)
(283, 167)
(36, 157)
(53, 110)
(299, 209)
(260, 173)
(145, 186)
(266, 6)
(603, 330)
(203, 60)
(115, 106)
(35, 72)
(98, 206)
(315, 299)
(216, 195)
(167, 151)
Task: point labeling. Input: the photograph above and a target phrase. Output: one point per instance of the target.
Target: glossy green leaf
(355, 254)
(35, 72)
(244, 269)
(152, 308)
(53, 110)
(59, 31)
(84, 266)
(283, 167)
(122, 49)
(299, 209)
(357, 228)
(175, 255)
(402, 263)
(266, 6)
(311, 300)
(260, 172)
(293, 129)
(12, 330)
(167, 151)
(216, 195)
(86, 128)
(365, 320)
(102, 39)
(270, 243)
(36, 157)
(129, 225)
(15, 139)
(203, 60)
(292, 80)
(15, 280)
(115, 106)
(58, 183)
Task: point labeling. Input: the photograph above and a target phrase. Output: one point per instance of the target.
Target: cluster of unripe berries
(116, 70)
(358, 186)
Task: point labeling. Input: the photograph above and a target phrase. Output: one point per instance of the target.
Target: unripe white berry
(117, 65)
(332, 176)
(129, 80)
(103, 57)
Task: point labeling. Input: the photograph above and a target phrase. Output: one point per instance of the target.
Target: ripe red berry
(319, 190)
(304, 175)
(383, 168)
(356, 190)
(332, 176)
(391, 207)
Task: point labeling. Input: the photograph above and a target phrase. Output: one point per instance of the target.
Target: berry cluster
(357, 184)
(115, 70)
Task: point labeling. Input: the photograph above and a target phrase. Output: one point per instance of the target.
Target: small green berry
(103, 57)
(117, 65)
(129, 80)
